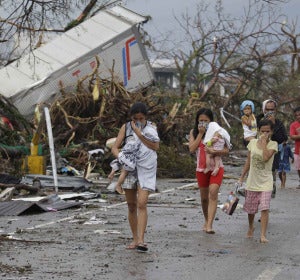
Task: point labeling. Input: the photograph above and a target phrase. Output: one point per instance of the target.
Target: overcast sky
(163, 11)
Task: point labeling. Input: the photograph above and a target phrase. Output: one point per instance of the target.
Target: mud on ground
(89, 242)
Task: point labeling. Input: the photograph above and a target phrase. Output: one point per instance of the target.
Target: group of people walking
(265, 137)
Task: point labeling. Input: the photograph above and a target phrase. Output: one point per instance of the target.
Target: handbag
(230, 204)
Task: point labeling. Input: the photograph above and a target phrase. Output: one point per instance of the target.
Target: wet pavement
(89, 242)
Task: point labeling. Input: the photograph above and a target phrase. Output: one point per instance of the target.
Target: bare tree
(25, 25)
(238, 53)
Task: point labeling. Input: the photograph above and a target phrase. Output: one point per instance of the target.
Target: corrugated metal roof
(15, 208)
(64, 50)
(50, 203)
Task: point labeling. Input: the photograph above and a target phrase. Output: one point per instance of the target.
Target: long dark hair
(203, 111)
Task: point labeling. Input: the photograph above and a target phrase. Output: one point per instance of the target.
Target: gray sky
(163, 11)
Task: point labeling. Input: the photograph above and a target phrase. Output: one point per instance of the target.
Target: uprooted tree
(225, 60)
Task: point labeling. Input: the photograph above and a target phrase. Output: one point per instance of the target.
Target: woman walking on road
(142, 180)
(208, 184)
(259, 183)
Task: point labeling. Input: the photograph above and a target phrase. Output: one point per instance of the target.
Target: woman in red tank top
(208, 184)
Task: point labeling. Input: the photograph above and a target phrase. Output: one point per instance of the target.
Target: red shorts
(206, 179)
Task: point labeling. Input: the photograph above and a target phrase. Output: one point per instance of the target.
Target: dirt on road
(89, 242)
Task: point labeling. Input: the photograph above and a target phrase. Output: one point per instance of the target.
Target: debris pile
(85, 118)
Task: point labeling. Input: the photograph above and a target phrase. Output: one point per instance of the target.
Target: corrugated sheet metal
(66, 50)
(15, 208)
(20, 207)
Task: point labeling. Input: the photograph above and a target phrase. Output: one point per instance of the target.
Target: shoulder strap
(128, 131)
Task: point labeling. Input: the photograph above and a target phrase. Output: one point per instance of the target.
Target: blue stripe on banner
(125, 78)
(133, 43)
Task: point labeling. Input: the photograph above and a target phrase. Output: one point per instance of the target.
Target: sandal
(142, 247)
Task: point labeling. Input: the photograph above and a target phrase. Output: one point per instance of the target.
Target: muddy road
(89, 242)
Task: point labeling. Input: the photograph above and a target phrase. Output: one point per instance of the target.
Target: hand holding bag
(240, 189)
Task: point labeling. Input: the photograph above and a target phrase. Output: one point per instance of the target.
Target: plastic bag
(230, 204)
(240, 189)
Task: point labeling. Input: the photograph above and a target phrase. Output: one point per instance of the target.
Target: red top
(295, 130)
(201, 159)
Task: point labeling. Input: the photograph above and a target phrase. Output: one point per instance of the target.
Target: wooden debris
(7, 194)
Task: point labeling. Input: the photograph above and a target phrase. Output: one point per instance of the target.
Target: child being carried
(215, 137)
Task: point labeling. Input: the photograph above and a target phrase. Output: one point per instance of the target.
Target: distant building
(165, 73)
(166, 76)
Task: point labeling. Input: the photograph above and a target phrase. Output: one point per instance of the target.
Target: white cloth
(128, 154)
(214, 127)
(250, 131)
(265, 102)
(146, 161)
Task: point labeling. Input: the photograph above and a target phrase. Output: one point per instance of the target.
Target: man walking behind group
(279, 135)
(295, 135)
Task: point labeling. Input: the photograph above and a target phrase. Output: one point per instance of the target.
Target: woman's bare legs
(142, 216)
(204, 204)
(131, 198)
(137, 214)
(212, 206)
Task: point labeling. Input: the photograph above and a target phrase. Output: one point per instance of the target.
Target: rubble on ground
(83, 121)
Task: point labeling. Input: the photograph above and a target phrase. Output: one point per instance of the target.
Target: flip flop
(142, 247)
(210, 231)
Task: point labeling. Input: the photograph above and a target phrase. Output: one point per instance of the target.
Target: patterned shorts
(257, 201)
(131, 181)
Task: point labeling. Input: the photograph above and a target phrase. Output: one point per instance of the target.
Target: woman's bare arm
(245, 168)
(194, 142)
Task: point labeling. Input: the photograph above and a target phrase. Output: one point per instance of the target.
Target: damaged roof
(49, 203)
(60, 59)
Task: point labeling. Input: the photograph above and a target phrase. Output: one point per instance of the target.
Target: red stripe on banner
(128, 56)
(76, 73)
